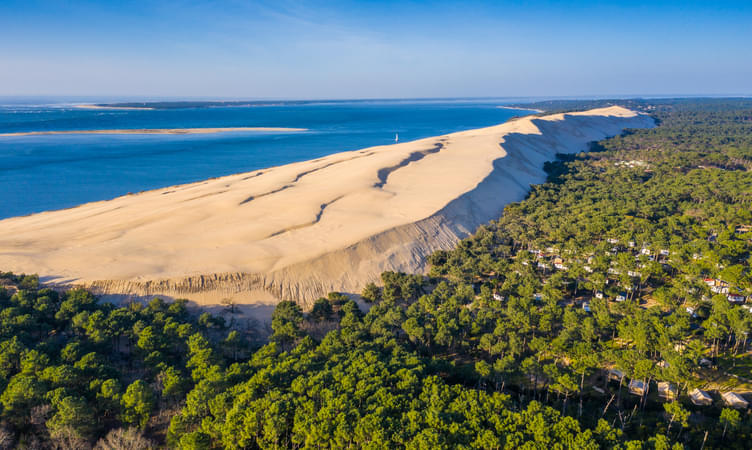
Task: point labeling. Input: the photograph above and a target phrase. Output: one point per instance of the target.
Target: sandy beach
(156, 131)
(300, 230)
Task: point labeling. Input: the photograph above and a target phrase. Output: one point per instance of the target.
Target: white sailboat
(396, 137)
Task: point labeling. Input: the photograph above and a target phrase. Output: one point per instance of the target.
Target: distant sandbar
(524, 109)
(157, 131)
(114, 107)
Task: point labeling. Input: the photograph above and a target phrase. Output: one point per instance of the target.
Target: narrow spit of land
(155, 131)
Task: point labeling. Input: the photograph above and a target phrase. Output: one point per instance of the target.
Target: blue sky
(374, 49)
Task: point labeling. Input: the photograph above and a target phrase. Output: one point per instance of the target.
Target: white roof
(699, 397)
(636, 386)
(666, 389)
(734, 399)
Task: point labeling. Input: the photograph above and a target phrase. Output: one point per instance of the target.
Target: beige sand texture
(301, 230)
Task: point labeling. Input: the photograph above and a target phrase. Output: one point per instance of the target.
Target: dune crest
(300, 230)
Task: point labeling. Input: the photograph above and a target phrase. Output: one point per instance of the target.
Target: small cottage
(734, 400)
(667, 390)
(636, 387)
(700, 398)
(615, 375)
(734, 298)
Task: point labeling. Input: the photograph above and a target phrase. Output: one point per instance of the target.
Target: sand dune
(154, 131)
(300, 230)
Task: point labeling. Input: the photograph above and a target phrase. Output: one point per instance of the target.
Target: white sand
(300, 230)
(155, 131)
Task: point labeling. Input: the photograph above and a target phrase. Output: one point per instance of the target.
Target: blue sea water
(39, 173)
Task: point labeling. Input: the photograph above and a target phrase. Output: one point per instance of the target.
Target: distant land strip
(113, 107)
(155, 131)
(160, 105)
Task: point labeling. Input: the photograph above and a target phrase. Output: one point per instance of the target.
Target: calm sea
(39, 173)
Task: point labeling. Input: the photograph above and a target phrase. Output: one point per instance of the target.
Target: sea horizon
(64, 99)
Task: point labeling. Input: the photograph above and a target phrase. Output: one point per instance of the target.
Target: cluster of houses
(669, 391)
(631, 164)
(548, 258)
(721, 287)
(551, 258)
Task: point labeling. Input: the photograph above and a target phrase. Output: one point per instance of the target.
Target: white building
(700, 398)
(734, 298)
(734, 400)
(615, 375)
(667, 390)
(636, 387)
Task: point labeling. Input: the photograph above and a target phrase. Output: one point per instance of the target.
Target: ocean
(47, 172)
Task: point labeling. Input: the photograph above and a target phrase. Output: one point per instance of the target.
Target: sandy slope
(300, 230)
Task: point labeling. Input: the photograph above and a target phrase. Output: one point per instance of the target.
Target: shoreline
(298, 231)
(173, 131)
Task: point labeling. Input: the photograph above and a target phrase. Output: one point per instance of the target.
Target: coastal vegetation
(609, 309)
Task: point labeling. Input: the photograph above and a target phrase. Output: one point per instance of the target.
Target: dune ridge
(301, 230)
